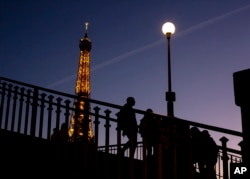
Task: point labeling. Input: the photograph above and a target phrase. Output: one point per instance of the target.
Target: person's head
(206, 133)
(64, 126)
(195, 131)
(149, 110)
(131, 101)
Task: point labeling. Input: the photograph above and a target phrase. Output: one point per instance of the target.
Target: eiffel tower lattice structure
(82, 90)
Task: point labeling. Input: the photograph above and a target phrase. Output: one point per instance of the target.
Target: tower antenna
(86, 28)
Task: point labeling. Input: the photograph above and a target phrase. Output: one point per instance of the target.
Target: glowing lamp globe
(168, 28)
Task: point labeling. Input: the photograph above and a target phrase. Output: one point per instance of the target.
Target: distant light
(168, 27)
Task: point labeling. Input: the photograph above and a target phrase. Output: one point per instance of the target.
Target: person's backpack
(121, 120)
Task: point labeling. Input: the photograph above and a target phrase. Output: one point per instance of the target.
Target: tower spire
(86, 29)
(82, 89)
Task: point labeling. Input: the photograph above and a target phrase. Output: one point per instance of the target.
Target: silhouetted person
(128, 125)
(204, 153)
(148, 131)
(63, 133)
(196, 139)
(55, 135)
(210, 155)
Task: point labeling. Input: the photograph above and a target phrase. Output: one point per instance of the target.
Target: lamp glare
(168, 27)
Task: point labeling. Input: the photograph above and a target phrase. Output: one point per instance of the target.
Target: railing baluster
(96, 142)
(34, 113)
(67, 113)
(76, 116)
(8, 107)
(27, 112)
(2, 102)
(119, 157)
(107, 128)
(96, 122)
(218, 166)
(42, 106)
(86, 120)
(14, 108)
(224, 157)
(50, 108)
(20, 110)
(58, 111)
(85, 128)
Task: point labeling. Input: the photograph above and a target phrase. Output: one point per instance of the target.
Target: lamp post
(168, 29)
(179, 148)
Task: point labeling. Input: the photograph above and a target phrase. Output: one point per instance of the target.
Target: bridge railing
(35, 111)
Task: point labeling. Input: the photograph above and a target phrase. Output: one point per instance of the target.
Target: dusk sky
(39, 45)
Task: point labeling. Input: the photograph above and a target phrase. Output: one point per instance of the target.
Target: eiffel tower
(82, 89)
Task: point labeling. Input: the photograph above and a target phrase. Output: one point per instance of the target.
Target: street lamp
(168, 29)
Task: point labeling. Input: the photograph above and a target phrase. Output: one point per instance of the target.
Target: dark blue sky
(39, 45)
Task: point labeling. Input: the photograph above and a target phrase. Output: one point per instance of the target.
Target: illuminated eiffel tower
(82, 89)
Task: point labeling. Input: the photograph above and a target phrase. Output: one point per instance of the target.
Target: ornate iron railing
(35, 111)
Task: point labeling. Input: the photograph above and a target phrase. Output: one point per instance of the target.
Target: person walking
(148, 131)
(128, 125)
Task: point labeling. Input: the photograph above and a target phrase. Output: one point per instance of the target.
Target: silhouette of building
(241, 81)
(82, 90)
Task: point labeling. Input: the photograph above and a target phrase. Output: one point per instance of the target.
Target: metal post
(224, 157)
(107, 131)
(170, 96)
